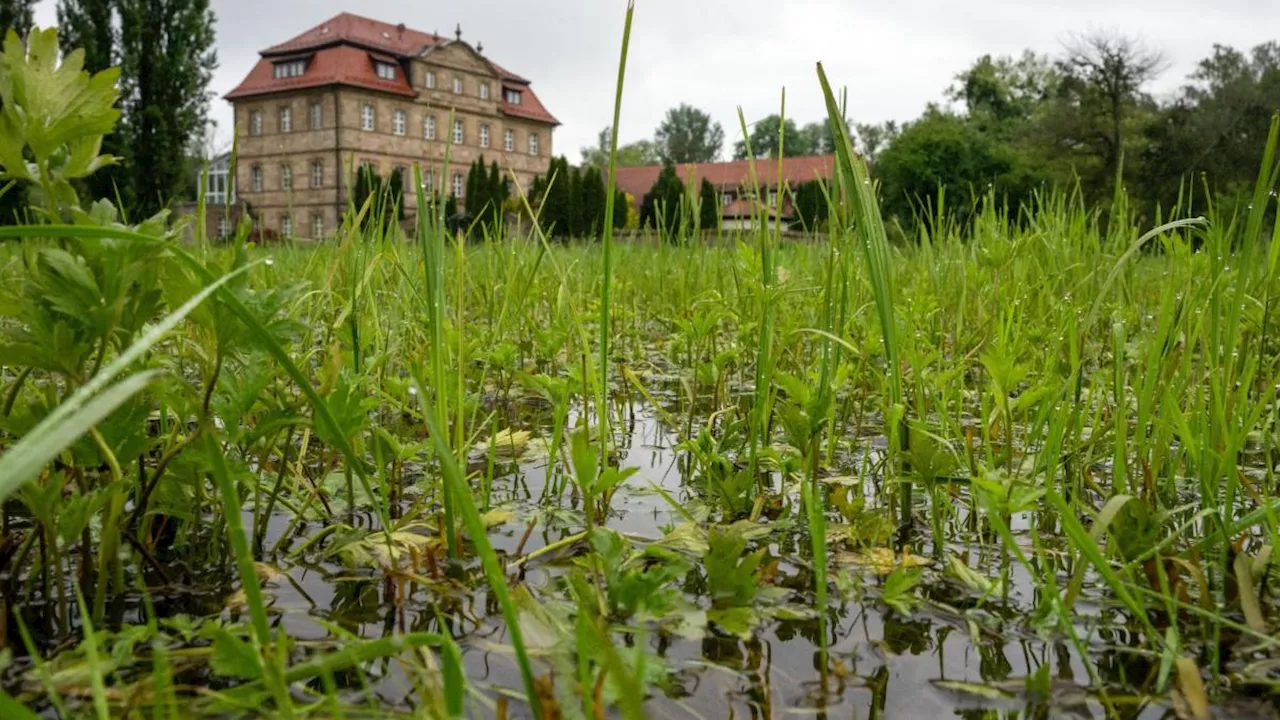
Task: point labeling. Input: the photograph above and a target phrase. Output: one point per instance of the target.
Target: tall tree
(764, 139)
(593, 196)
(1217, 125)
(167, 60)
(664, 203)
(708, 206)
(1103, 76)
(636, 154)
(621, 207)
(819, 138)
(16, 15)
(1003, 90)
(688, 135)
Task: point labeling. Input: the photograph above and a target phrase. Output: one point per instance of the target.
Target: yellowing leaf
(881, 561)
(494, 518)
(507, 444)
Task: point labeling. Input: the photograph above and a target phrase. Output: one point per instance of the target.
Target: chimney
(400, 30)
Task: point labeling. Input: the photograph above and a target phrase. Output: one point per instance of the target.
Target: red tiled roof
(530, 106)
(637, 181)
(340, 50)
(357, 30)
(341, 65)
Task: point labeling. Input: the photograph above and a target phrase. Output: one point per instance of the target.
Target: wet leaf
(506, 444)
(739, 621)
(233, 657)
(1195, 702)
(687, 539)
(986, 692)
(494, 518)
(970, 578)
(898, 590)
(881, 561)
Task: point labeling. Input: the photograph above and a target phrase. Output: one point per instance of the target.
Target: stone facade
(298, 149)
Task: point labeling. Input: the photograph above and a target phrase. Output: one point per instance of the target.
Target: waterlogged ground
(952, 653)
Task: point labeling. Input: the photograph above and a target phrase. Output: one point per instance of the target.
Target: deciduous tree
(688, 135)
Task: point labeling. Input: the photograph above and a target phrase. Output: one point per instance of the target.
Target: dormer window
(290, 69)
(513, 97)
(386, 71)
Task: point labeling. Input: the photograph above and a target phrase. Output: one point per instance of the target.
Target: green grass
(448, 478)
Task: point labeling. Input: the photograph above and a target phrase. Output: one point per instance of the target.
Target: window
(727, 198)
(458, 135)
(484, 91)
(533, 143)
(317, 226)
(224, 227)
(513, 96)
(484, 135)
(317, 116)
(509, 140)
(215, 192)
(457, 86)
(293, 68)
(773, 198)
(286, 225)
(386, 71)
(286, 119)
(286, 177)
(255, 123)
(457, 185)
(366, 118)
(431, 80)
(317, 174)
(399, 121)
(255, 178)
(427, 181)
(429, 127)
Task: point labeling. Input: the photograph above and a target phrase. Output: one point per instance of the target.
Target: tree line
(165, 52)
(1085, 119)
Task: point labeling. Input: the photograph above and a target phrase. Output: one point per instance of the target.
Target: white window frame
(286, 119)
(255, 178)
(431, 79)
(458, 185)
(317, 226)
(291, 69)
(427, 180)
(533, 144)
(317, 174)
(457, 85)
(286, 177)
(429, 127)
(399, 122)
(255, 122)
(484, 135)
(484, 91)
(459, 133)
(509, 140)
(726, 198)
(385, 71)
(286, 225)
(317, 116)
(224, 227)
(368, 118)
(512, 97)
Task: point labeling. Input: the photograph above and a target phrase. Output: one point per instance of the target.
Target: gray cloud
(894, 57)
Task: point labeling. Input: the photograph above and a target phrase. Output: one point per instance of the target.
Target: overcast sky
(894, 56)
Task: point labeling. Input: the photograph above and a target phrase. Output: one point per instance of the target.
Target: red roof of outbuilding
(637, 181)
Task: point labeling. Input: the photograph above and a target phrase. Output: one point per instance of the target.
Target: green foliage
(16, 15)
(636, 154)
(688, 135)
(811, 205)
(663, 204)
(591, 202)
(764, 139)
(943, 150)
(384, 196)
(708, 206)
(165, 104)
(54, 115)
